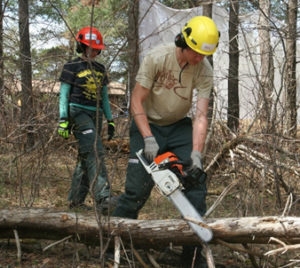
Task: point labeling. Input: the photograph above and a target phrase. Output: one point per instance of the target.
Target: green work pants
(90, 171)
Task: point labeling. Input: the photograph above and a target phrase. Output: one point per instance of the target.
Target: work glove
(110, 129)
(193, 178)
(151, 148)
(196, 160)
(63, 128)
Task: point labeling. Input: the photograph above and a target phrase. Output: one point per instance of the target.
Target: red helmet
(90, 37)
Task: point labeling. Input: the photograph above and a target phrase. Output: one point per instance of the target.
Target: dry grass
(41, 178)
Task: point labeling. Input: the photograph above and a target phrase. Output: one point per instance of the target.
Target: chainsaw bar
(188, 211)
(168, 184)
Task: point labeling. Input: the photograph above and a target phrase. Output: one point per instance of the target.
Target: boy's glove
(110, 129)
(63, 128)
(151, 148)
(196, 160)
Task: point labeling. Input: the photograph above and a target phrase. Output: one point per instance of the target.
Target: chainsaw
(168, 176)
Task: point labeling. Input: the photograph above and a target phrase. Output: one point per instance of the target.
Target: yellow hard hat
(201, 35)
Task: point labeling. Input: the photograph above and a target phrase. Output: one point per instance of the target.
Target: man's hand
(151, 148)
(196, 160)
(110, 129)
(63, 128)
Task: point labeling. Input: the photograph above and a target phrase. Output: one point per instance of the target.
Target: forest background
(257, 156)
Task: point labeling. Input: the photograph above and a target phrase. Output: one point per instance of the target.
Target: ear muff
(179, 41)
(80, 48)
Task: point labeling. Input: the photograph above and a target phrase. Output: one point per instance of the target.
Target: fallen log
(47, 224)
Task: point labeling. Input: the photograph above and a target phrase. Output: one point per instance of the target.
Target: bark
(267, 65)
(27, 108)
(290, 70)
(55, 225)
(233, 115)
(133, 40)
(1, 59)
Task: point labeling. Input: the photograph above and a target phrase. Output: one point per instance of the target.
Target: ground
(42, 179)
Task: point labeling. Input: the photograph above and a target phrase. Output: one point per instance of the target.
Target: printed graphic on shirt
(92, 81)
(166, 79)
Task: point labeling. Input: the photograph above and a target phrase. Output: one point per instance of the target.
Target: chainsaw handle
(186, 163)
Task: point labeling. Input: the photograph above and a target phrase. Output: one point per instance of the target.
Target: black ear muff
(179, 41)
(80, 48)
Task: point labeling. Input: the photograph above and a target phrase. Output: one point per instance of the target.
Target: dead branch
(281, 250)
(257, 158)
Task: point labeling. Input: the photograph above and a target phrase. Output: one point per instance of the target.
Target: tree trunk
(2, 89)
(133, 40)
(233, 81)
(1, 61)
(27, 109)
(207, 8)
(54, 225)
(290, 70)
(267, 65)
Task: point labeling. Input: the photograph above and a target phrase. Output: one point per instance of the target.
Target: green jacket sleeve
(64, 93)
(105, 103)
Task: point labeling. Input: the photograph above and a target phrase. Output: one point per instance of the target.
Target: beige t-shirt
(171, 87)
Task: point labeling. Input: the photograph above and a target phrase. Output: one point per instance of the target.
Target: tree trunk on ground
(55, 225)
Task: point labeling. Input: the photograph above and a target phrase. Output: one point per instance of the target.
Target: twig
(124, 250)
(236, 248)
(291, 264)
(288, 205)
(19, 252)
(209, 257)
(232, 157)
(221, 197)
(193, 220)
(281, 250)
(57, 242)
(138, 256)
(152, 260)
(117, 252)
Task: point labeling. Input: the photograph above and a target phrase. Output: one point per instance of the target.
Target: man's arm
(200, 124)
(139, 95)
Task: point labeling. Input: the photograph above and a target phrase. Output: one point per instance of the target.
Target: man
(160, 102)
